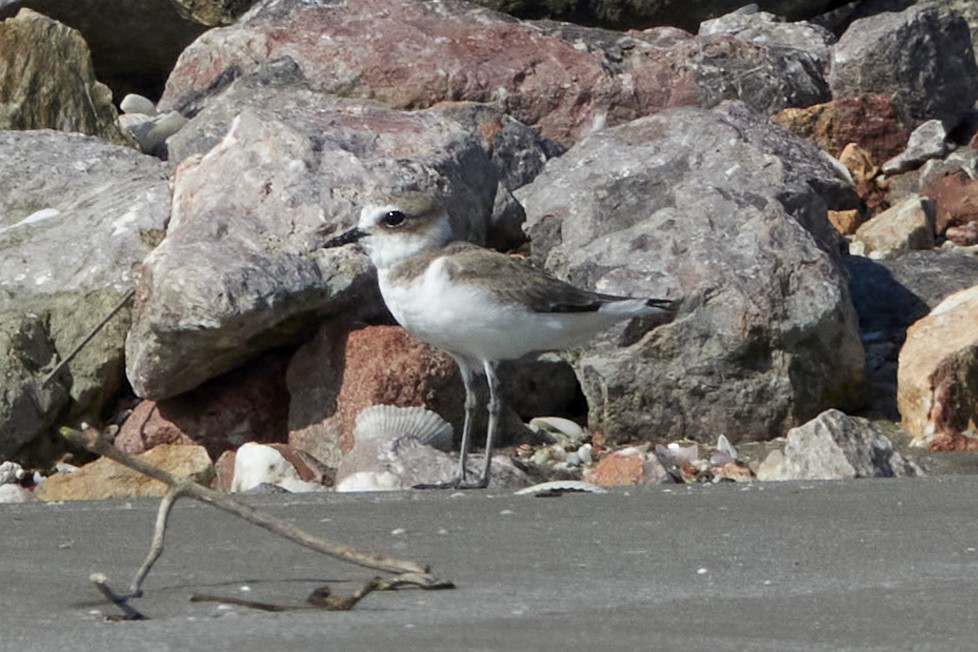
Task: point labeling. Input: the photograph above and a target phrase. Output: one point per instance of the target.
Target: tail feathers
(628, 308)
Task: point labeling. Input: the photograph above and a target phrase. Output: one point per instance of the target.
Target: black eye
(394, 219)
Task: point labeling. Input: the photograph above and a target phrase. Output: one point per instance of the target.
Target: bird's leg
(493, 425)
(471, 400)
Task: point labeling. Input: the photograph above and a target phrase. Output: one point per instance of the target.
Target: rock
(234, 279)
(333, 378)
(955, 198)
(834, 446)
(864, 171)
(889, 296)
(47, 80)
(845, 222)
(869, 121)
(904, 227)
(964, 236)
(258, 464)
(922, 57)
(928, 141)
(134, 43)
(246, 405)
(14, 493)
(152, 131)
(77, 215)
(767, 29)
(686, 15)
(628, 466)
(336, 375)
(580, 79)
(641, 210)
(104, 478)
(937, 391)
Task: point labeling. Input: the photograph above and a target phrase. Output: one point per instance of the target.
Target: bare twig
(412, 573)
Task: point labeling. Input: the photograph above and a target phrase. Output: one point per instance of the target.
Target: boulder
(937, 391)
(249, 404)
(734, 222)
(835, 446)
(636, 13)
(105, 478)
(907, 226)
(927, 142)
(134, 43)
(870, 121)
(768, 29)
(47, 80)
(922, 57)
(241, 270)
(563, 79)
(77, 216)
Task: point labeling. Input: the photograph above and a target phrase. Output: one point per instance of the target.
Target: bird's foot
(457, 483)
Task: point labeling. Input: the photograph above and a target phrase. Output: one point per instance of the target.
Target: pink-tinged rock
(564, 79)
(965, 235)
(955, 199)
(337, 374)
(250, 404)
(905, 227)
(870, 121)
(224, 471)
(937, 378)
(628, 466)
(104, 478)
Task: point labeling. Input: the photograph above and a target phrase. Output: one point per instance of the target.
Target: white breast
(468, 320)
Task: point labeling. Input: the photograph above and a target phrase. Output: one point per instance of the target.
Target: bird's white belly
(468, 320)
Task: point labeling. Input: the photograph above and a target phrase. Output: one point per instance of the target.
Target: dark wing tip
(668, 305)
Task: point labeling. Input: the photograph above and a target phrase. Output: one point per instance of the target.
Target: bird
(478, 305)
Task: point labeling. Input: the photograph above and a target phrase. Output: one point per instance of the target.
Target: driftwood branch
(408, 572)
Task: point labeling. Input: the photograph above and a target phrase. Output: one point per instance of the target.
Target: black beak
(352, 235)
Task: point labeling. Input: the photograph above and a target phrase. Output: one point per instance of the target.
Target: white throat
(388, 248)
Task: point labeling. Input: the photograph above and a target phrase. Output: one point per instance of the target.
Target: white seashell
(584, 454)
(390, 422)
(11, 473)
(562, 431)
(257, 464)
(561, 485)
(724, 453)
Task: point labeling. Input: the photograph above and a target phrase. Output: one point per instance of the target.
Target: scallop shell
(561, 486)
(391, 422)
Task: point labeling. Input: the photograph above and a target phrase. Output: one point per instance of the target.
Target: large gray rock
(733, 220)
(240, 270)
(47, 80)
(77, 216)
(767, 29)
(835, 446)
(922, 56)
(564, 79)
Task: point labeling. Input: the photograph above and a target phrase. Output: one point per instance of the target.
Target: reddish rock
(965, 235)
(955, 198)
(628, 466)
(869, 121)
(566, 80)
(104, 478)
(865, 171)
(370, 366)
(249, 404)
(937, 379)
(224, 471)
(846, 222)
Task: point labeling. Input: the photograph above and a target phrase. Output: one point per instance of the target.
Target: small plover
(478, 305)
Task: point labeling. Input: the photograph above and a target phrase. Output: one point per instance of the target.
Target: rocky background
(803, 174)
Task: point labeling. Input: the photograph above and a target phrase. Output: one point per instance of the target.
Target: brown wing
(515, 280)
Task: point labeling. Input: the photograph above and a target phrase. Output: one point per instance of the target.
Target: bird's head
(398, 227)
